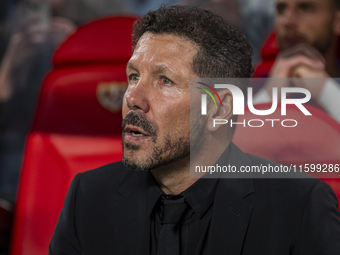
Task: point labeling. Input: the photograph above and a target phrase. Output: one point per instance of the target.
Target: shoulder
(293, 185)
(290, 188)
(113, 171)
(292, 179)
(258, 161)
(109, 179)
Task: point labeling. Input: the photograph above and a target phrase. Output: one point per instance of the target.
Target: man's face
(305, 21)
(156, 105)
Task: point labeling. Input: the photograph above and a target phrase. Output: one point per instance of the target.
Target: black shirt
(196, 220)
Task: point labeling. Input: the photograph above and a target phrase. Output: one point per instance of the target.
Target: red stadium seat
(315, 139)
(77, 126)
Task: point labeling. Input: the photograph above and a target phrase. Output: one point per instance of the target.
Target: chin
(136, 159)
(134, 164)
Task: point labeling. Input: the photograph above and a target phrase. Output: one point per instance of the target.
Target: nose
(289, 19)
(136, 97)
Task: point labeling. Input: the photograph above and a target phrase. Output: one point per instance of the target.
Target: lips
(136, 131)
(137, 128)
(135, 134)
(292, 40)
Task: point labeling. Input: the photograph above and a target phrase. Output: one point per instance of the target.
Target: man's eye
(307, 7)
(280, 9)
(166, 80)
(134, 77)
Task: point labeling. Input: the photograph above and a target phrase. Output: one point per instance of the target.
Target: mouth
(135, 134)
(293, 40)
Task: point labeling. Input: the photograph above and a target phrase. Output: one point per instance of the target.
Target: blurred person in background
(36, 30)
(257, 18)
(5, 8)
(30, 31)
(307, 34)
(81, 11)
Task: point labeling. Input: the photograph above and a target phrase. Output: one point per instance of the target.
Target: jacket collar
(231, 213)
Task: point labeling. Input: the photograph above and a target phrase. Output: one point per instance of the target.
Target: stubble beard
(174, 148)
(322, 43)
(171, 149)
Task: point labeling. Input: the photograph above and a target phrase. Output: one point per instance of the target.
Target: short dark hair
(223, 50)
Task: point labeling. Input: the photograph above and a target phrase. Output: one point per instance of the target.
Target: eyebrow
(299, 2)
(306, 2)
(156, 69)
(129, 65)
(161, 69)
(281, 4)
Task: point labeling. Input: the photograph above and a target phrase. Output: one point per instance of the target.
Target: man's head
(170, 46)
(314, 22)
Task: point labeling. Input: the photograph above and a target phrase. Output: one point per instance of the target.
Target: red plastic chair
(315, 140)
(72, 131)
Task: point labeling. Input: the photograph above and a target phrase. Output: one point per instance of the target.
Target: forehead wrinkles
(163, 51)
(173, 42)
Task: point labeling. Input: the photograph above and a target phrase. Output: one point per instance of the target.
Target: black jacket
(105, 213)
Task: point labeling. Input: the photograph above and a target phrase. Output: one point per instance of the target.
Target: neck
(175, 177)
(331, 60)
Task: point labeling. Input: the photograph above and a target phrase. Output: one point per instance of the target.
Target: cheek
(315, 28)
(125, 108)
(279, 24)
(173, 118)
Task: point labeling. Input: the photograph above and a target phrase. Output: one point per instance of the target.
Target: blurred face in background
(55, 6)
(313, 22)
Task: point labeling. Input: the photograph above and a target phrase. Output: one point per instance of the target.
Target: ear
(336, 23)
(224, 111)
